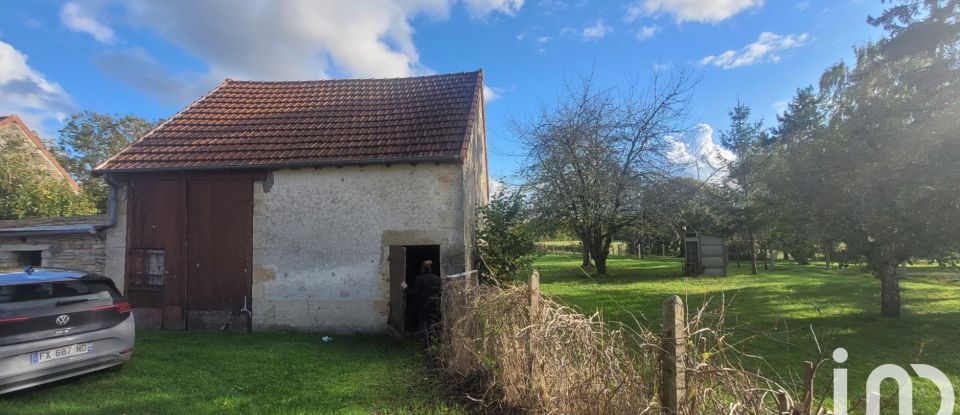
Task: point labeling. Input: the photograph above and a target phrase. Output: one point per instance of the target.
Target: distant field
(617, 248)
(841, 306)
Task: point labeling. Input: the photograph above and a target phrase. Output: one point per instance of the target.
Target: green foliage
(794, 171)
(746, 139)
(506, 241)
(27, 191)
(865, 168)
(88, 139)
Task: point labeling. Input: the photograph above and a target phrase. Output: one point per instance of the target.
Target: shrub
(506, 243)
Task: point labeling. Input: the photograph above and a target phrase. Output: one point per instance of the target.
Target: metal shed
(705, 255)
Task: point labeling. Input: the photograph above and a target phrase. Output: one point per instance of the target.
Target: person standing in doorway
(424, 297)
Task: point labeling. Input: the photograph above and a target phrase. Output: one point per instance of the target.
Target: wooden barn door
(219, 248)
(155, 267)
(398, 268)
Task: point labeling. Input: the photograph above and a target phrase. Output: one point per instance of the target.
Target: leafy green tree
(746, 139)
(26, 191)
(89, 138)
(896, 132)
(507, 244)
(795, 171)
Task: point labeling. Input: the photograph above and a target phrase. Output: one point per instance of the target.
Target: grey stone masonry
(80, 250)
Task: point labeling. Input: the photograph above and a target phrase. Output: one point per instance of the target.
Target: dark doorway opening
(30, 258)
(415, 255)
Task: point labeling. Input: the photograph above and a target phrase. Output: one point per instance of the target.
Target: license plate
(60, 352)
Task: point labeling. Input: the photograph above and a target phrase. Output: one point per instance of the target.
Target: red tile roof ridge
(348, 80)
(240, 124)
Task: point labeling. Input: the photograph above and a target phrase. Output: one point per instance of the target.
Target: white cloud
(597, 31)
(75, 18)
(662, 66)
(557, 6)
(634, 12)
(780, 107)
(704, 11)
(647, 32)
(26, 92)
(698, 155)
(496, 186)
(139, 69)
(483, 8)
(491, 94)
(288, 40)
(763, 50)
(542, 43)
(801, 6)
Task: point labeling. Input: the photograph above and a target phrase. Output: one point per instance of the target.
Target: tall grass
(516, 354)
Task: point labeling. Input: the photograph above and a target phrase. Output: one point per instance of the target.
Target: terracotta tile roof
(47, 155)
(244, 124)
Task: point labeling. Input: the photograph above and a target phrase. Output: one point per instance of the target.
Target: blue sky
(151, 58)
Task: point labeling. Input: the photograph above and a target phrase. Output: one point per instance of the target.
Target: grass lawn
(269, 373)
(842, 306)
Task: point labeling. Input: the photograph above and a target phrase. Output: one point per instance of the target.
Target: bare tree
(590, 154)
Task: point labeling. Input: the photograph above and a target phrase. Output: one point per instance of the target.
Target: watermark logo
(904, 384)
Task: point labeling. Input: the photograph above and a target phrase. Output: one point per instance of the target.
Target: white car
(57, 323)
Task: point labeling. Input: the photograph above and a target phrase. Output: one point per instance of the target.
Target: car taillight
(124, 307)
(11, 320)
(120, 308)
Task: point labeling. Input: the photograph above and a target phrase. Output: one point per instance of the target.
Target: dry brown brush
(538, 356)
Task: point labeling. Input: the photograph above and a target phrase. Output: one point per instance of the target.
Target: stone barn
(299, 204)
(65, 242)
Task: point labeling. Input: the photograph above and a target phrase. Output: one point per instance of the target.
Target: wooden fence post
(809, 374)
(673, 383)
(533, 312)
(783, 402)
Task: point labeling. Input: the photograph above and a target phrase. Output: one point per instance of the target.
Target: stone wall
(116, 242)
(321, 240)
(83, 251)
(475, 185)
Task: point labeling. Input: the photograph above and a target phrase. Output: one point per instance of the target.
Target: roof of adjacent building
(247, 124)
(35, 140)
(53, 225)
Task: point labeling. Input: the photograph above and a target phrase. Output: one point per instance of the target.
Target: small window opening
(148, 269)
(30, 258)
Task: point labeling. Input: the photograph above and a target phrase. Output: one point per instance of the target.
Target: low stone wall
(77, 251)
(32, 238)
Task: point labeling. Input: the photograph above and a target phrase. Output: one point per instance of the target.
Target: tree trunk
(640, 248)
(753, 254)
(827, 253)
(600, 252)
(889, 291)
(586, 256)
(766, 257)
